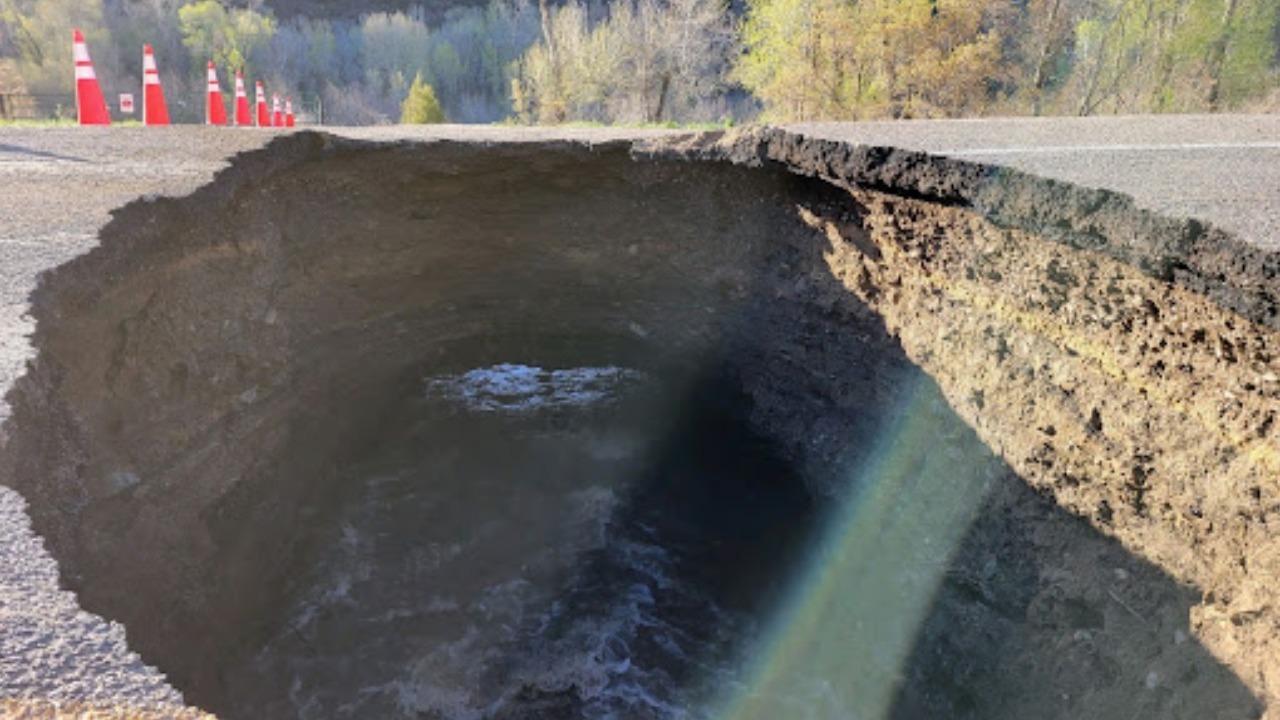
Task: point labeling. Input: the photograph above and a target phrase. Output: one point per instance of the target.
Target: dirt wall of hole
(203, 375)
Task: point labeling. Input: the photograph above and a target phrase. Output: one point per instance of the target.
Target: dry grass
(16, 102)
(1268, 104)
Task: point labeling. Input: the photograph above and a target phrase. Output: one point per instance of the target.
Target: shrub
(421, 106)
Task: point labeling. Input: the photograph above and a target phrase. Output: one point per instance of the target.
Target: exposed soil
(1098, 383)
(1086, 342)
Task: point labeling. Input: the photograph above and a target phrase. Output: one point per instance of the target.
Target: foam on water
(521, 388)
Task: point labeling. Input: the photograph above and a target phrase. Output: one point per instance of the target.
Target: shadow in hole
(701, 546)
(1041, 616)
(18, 149)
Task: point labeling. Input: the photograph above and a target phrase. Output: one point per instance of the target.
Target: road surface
(1223, 169)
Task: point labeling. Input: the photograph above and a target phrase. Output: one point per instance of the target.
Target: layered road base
(1104, 381)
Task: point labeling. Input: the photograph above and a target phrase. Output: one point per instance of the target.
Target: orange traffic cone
(264, 118)
(288, 112)
(277, 114)
(91, 108)
(216, 109)
(154, 111)
(243, 117)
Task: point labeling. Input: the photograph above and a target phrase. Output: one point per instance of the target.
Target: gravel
(58, 186)
(50, 649)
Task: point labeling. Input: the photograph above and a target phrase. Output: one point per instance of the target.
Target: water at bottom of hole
(522, 549)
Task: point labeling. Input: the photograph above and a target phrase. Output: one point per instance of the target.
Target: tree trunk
(553, 56)
(663, 88)
(1218, 56)
(1039, 79)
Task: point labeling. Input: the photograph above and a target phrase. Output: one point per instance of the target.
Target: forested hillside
(677, 60)
(434, 10)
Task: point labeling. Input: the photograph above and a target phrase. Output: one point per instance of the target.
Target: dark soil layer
(206, 375)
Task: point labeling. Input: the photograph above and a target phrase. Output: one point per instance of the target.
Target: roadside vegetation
(677, 61)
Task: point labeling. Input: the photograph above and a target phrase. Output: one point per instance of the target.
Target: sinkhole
(723, 427)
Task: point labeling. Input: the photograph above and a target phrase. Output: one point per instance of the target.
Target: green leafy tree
(232, 39)
(932, 57)
(837, 59)
(421, 107)
(40, 33)
(1230, 45)
(541, 91)
(17, 41)
(1172, 56)
(797, 62)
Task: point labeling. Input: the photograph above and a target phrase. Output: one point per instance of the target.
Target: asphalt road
(57, 187)
(1221, 169)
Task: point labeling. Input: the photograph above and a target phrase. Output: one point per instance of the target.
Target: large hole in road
(547, 430)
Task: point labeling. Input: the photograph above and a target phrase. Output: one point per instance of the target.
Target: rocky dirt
(199, 383)
(1087, 342)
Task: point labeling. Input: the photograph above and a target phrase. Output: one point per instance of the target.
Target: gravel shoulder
(57, 188)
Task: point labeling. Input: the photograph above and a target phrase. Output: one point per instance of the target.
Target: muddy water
(539, 543)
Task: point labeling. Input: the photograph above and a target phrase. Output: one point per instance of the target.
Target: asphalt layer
(58, 186)
(1220, 169)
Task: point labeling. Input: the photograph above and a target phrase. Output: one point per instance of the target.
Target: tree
(1042, 51)
(394, 48)
(540, 92)
(839, 59)
(41, 34)
(17, 40)
(939, 57)
(1172, 55)
(645, 61)
(795, 61)
(702, 43)
(231, 39)
(1233, 43)
(421, 106)
(473, 56)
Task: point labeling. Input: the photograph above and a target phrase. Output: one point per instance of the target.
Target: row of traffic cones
(91, 106)
(217, 114)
